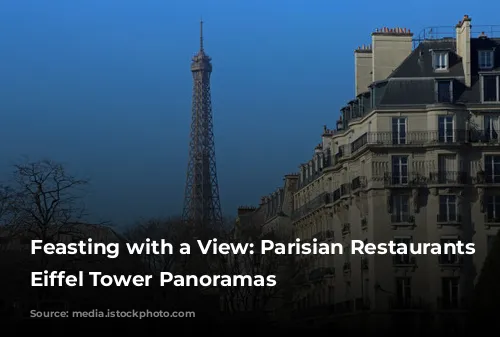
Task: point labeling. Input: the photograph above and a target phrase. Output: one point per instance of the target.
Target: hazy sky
(105, 87)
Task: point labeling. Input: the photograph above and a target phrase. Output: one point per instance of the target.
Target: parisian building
(414, 157)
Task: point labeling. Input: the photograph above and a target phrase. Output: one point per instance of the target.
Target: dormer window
(440, 60)
(444, 91)
(486, 59)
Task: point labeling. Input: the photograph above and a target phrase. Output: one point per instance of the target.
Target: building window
(448, 255)
(444, 91)
(450, 292)
(490, 88)
(447, 169)
(447, 208)
(492, 169)
(361, 106)
(491, 127)
(400, 209)
(403, 258)
(493, 208)
(403, 292)
(399, 170)
(445, 127)
(440, 60)
(372, 98)
(398, 130)
(486, 58)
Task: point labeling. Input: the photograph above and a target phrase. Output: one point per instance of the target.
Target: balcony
(402, 218)
(452, 303)
(417, 138)
(484, 136)
(346, 228)
(406, 303)
(449, 219)
(492, 178)
(345, 189)
(349, 306)
(447, 260)
(492, 220)
(358, 183)
(404, 260)
(344, 152)
(346, 268)
(319, 201)
(448, 177)
(324, 235)
(364, 223)
(359, 143)
(404, 180)
(336, 195)
(364, 263)
(319, 274)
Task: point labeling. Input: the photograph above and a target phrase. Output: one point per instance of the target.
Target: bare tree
(47, 200)
(7, 213)
(43, 202)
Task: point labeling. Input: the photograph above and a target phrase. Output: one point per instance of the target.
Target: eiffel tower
(201, 197)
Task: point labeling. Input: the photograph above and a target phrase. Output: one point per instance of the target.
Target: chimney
(463, 46)
(390, 47)
(362, 68)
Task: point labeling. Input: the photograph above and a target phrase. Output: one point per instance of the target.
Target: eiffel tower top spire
(201, 36)
(201, 61)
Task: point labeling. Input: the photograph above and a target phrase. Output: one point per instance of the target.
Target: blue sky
(105, 88)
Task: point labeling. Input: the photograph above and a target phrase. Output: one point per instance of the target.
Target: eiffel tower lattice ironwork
(201, 197)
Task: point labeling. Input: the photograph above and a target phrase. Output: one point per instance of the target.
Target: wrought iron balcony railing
(452, 303)
(336, 195)
(406, 303)
(345, 189)
(358, 183)
(318, 274)
(450, 260)
(324, 235)
(484, 136)
(317, 202)
(364, 263)
(399, 217)
(346, 228)
(409, 179)
(364, 223)
(417, 137)
(359, 143)
(404, 260)
(491, 218)
(448, 177)
(449, 218)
